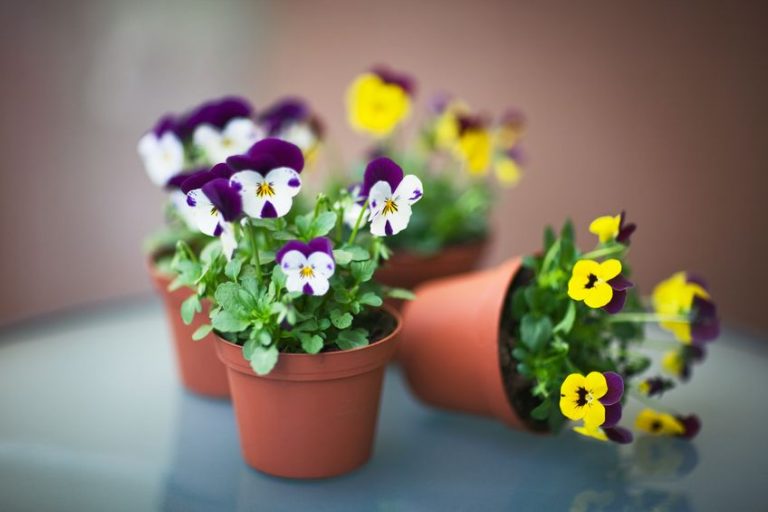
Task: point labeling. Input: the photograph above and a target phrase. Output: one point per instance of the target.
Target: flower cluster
(271, 272)
(456, 148)
(576, 325)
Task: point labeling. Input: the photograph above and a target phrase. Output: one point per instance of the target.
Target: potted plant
(178, 147)
(297, 316)
(556, 336)
(455, 151)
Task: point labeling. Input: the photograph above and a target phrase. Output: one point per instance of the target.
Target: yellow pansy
(375, 106)
(507, 171)
(589, 281)
(475, 148)
(659, 423)
(674, 297)
(606, 227)
(446, 126)
(580, 398)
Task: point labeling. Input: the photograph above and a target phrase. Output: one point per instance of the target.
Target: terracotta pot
(201, 371)
(450, 343)
(407, 270)
(313, 416)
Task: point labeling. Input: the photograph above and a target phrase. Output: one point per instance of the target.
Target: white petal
(284, 179)
(294, 283)
(234, 139)
(179, 201)
(201, 212)
(322, 264)
(398, 221)
(410, 189)
(292, 262)
(228, 241)
(163, 158)
(243, 133)
(281, 201)
(319, 285)
(299, 134)
(379, 193)
(351, 212)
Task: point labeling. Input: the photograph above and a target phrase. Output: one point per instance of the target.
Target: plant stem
(252, 239)
(353, 235)
(606, 251)
(646, 317)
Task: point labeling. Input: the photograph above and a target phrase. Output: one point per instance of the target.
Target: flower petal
(292, 259)
(609, 269)
(618, 435)
(317, 285)
(378, 170)
(615, 388)
(616, 303)
(410, 189)
(268, 154)
(206, 219)
(594, 415)
(597, 384)
(225, 198)
(322, 264)
(285, 180)
(612, 415)
(620, 283)
(599, 295)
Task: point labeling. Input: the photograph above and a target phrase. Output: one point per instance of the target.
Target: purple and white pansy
(390, 195)
(223, 128)
(162, 151)
(290, 119)
(213, 200)
(308, 267)
(267, 176)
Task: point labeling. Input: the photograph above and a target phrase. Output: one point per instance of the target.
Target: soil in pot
(313, 416)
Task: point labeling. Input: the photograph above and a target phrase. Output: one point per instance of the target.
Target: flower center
(591, 280)
(226, 142)
(655, 426)
(265, 189)
(307, 272)
(213, 211)
(584, 397)
(389, 206)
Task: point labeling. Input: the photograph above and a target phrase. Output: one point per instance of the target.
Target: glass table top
(92, 418)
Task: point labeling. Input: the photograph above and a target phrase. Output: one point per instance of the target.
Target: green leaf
(363, 271)
(342, 257)
(189, 307)
(201, 332)
(232, 268)
(225, 321)
(566, 323)
(341, 320)
(401, 293)
(371, 299)
(535, 332)
(264, 338)
(263, 359)
(323, 224)
(311, 344)
(352, 338)
(248, 348)
(358, 253)
(541, 411)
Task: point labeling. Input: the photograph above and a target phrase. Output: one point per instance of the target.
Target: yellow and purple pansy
(599, 285)
(308, 267)
(653, 386)
(664, 424)
(390, 195)
(379, 100)
(610, 228)
(474, 144)
(594, 398)
(683, 295)
(680, 362)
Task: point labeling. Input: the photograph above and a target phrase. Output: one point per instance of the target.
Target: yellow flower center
(213, 210)
(389, 207)
(307, 272)
(265, 189)
(227, 142)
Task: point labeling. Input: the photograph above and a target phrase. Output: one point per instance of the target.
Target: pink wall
(656, 107)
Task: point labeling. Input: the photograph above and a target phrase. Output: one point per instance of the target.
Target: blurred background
(658, 108)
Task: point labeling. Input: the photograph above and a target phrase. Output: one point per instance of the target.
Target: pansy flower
(290, 119)
(510, 129)
(612, 227)
(162, 151)
(378, 101)
(223, 128)
(599, 285)
(594, 398)
(507, 166)
(267, 176)
(446, 124)
(655, 386)
(390, 195)
(615, 434)
(178, 198)
(686, 296)
(659, 423)
(308, 267)
(474, 144)
(680, 362)
(213, 200)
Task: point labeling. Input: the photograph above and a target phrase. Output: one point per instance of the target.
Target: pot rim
(368, 352)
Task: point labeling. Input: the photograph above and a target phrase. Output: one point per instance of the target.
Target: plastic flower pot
(201, 371)
(407, 270)
(450, 343)
(313, 415)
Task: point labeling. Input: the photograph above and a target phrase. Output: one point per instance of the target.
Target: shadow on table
(429, 460)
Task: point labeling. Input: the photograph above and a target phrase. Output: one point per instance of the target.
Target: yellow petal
(588, 431)
(577, 287)
(609, 269)
(475, 148)
(585, 267)
(594, 415)
(596, 384)
(569, 408)
(672, 363)
(606, 227)
(507, 171)
(572, 384)
(569, 396)
(599, 295)
(658, 423)
(376, 107)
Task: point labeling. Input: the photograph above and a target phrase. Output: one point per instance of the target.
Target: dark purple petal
(282, 114)
(167, 123)
(293, 245)
(321, 244)
(691, 424)
(224, 198)
(615, 388)
(388, 229)
(694, 279)
(618, 435)
(268, 211)
(268, 154)
(307, 290)
(218, 230)
(620, 283)
(217, 113)
(625, 231)
(658, 385)
(472, 122)
(176, 181)
(612, 415)
(197, 180)
(381, 169)
(389, 76)
(222, 170)
(705, 325)
(616, 303)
